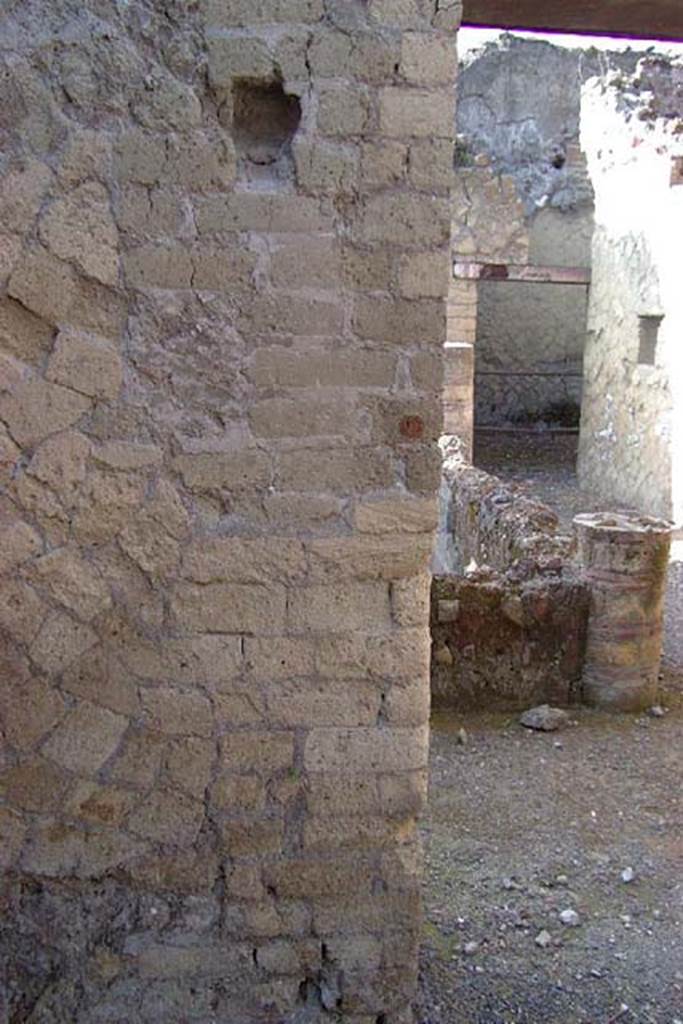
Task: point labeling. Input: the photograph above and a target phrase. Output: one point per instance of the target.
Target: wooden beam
(635, 19)
(470, 271)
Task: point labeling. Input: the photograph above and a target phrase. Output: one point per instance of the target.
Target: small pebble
(562, 880)
(570, 918)
(543, 939)
(627, 875)
(470, 948)
(657, 711)
(462, 737)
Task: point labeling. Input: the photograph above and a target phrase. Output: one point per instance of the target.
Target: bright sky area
(472, 38)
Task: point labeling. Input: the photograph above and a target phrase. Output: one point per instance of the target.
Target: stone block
(18, 543)
(286, 367)
(369, 557)
(249, 836)
(232, 471)
(88, 155)
(12, 834)
(409, 220)
(316, 265)
(340, 470)
(264, 214)
(397, 657)
(72, 581)
(167, 817)
(86, 738)
(263, 753)
(100, 678)
(243, 560)
(316, 879)
(229, 607)
(305, 703)
(431, 164)
(239, 793)
(427, 371)
(125, 455)
(34, 408)
(86, 363)
(428, 59)
(406, 113)
(399, 321)
(410, 601)
(21, 195)
(343, 110)
(139, 156)
(307, 414)
(139, 758)
(80, 228)
(384, 163)
(238, 57)
(176, 712)
(333, 609)
(34, 786)
(326, 168)
(60, 462)
(95, 804)
(22, 334)
(425, 275)
(29, 707)
(21, 610)
(366, 750)
(243, 14)
(286, 314)
(397, 515)
(187, 765)
(158, 266)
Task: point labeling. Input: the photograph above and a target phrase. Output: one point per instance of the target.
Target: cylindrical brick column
(625, 560)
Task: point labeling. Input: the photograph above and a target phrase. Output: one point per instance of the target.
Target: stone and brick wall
(632, 425)
(509, 607)
(223, 265)
(523, 196)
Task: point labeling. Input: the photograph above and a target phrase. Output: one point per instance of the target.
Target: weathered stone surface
(216, 546)
(21, 610)
(18, 543)
(34, 408)
(21, 195)
(60, 641)
(22, 334)
(30, 708)
(60, 462)
(87, 737)
(81, 229)
(167, 817)
(86, 363)
(73, 582)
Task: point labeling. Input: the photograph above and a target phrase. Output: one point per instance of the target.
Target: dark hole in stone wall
(265, 120)
(647, 339)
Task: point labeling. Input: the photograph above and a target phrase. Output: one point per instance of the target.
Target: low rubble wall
(509, 623)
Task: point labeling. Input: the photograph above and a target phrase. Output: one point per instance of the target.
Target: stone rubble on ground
(544, 718)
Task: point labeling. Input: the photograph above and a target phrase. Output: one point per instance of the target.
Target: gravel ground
(524, 825)
(520, 829)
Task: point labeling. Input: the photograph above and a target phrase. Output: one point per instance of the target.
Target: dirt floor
(522, 826)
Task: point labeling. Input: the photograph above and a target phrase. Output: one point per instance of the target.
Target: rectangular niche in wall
(648, 337)
(265, 120)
